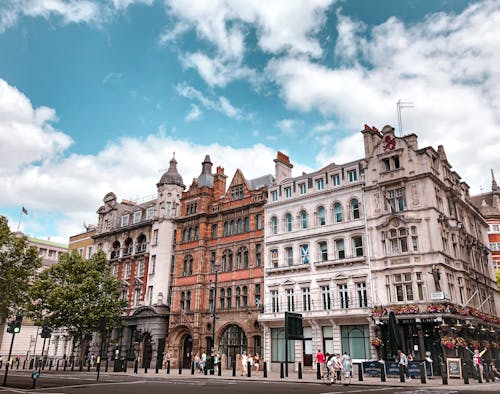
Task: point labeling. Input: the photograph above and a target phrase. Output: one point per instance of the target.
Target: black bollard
(192, 368)
(136, 366)
(318, 371)
(264, 374)
(73, 366)
(249, 369)
(219, 369)
(205, 370)
(360, 372)
(146, 368)
(65, 365)
(423, 373)
(180, 367)
(479, 377)
(168, 367)
(88, 367)
(157, 366)
(32, 361)
(107, 364)
(125, 365)
(382, 372)
(465, 369)
(300, 371)
(444, 374)
(485, 373)
(282, 370)
(50, 365)
(81, 365)
(57, 365)
(401, 373)
(234, 368)
(24, 364)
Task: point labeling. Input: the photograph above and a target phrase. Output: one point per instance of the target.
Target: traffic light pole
(7, 364)
(43, 349)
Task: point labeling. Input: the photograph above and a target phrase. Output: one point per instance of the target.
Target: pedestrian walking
(244, 360)
(203, 361)
(256, 360)
(1, 362)
(403, 360)
(346, 369)
(320, 358)
(337, 366)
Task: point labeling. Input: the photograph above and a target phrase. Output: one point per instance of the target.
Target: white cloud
(194, 114)
(111, 77)
(221, 104)
(324, 127)
(289, 126)
(446, 65)
(123, 4)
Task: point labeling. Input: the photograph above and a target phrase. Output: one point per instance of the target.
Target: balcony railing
(319, 306)
(141, 248)
(128, 250)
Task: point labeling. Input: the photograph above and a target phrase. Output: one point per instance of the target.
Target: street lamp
(214, 316)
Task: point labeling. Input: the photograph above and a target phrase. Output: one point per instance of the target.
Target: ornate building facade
(138, 238)
(429, 252)
(317, 263)
(218, 260)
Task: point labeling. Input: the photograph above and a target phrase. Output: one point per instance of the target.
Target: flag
(25, 211)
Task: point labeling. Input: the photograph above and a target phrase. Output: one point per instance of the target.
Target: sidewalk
(309, 377)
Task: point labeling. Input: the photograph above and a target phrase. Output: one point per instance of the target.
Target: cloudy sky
(95, 96)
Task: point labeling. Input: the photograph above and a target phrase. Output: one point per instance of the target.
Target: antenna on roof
(399, 106)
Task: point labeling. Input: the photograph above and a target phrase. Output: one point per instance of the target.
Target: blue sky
(96, 95)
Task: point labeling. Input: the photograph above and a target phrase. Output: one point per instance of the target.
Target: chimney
(282, 167)
(219, 183)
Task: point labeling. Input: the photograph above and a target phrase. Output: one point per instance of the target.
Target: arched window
(321, 216)
(196, 232)
(188, 301)
(233, 341)
(222, 298)
(232, 226)
(245, 258)
(187, 268)
(337, 212)
(354, 209)
(303, 219)
(227, 260)
(237, 297)
(183, 301)
(226, 229)
(240, 226)
(244, 297)
(190, 234)
(274, 225)
(229, 294)
(247, 224)
(184, 235)
(288, 222)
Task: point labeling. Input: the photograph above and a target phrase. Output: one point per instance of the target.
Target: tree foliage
(18, 265)
(497, 273)
(75, 294)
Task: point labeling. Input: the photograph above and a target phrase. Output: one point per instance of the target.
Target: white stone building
(317, 263)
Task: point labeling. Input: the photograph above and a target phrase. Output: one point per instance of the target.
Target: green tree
(75, 294)
(18, 265)
(497, 273)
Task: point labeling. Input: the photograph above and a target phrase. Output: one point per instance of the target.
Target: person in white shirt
(244, 360)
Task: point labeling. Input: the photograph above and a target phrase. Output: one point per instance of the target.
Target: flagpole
(19, 222)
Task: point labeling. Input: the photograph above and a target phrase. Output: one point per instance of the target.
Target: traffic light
(46, 332)
(15, 325)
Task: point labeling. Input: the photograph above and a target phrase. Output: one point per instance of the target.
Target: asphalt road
(86, 383)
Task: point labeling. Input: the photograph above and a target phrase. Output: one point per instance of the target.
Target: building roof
(47, 242)
(261, 181)
(172, 176)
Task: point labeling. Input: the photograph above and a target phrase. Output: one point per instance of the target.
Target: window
(257, 296)
(258, 255)
(80, 252)
(274, 195)
(150, 213)
(239, 226)
(321, 216)
(352, 175)
(354, 209)
(274, 258)
(140, 268)
(274, 225)
(222, 298)
(187, 268)
(337, 212)
(128, 270)
(152, 265)
(214, 231)
(325, 297)
(396, 199)
(362, 296)
(258, 219)
(289, 256)
(357, 244)
(403, 287)
(246, 227)
(339, 248)
(288, 192)
(150, 295)
(278, 346)
(229, 298)
(397, 240)
(89, 252)
(244, 297)
(336, 179)
(290, 300)
(184, 235)
(155, 237)
(320, 184)
(302, 188)
(304, 253)
(125, 220)
(390, 163)
(323, 251)
(188, 301)
(227, 260)
(275, 301)
(242, 258)
(232, 227)
(191, 207)
(237, 192)
(343, 296)
(226, 229)
(414, 238)
(420, 286)
(288, 222)
(303, 219)
(237, 300)
(306, 299)
(138, 295)
(137, 216)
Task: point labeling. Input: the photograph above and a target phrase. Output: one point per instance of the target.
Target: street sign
(293, 325)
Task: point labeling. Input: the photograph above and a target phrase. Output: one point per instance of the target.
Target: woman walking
(346, 369)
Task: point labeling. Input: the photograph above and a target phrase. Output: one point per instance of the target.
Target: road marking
(359, 391)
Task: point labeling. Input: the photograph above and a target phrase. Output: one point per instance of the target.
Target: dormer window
(137, 217)
(320, 184)
(352, 175)
(237, 192)
(150, 212)
(303, 188)
(390, 163)
(125, 220)
(288, 192)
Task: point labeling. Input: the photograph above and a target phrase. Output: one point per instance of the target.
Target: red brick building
(489, 205)
(222, 231)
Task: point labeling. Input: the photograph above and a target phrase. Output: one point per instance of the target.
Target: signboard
(392, 368)
(293, 325)
(414, 368)
(437, 296)
(372, 368)
(454, 367)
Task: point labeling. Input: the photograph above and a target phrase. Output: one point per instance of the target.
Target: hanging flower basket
(460, 342)
(436, 308)
(405, 309)
(448, 342)
(379, 311)
(376, 342)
